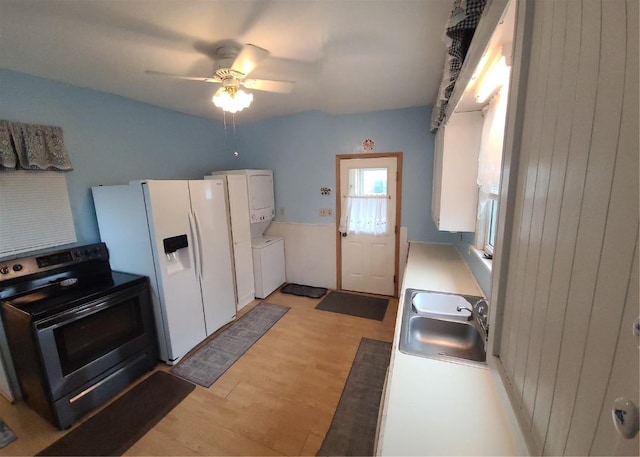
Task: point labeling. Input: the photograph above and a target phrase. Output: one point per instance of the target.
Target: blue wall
(112, 140)
(301, 150)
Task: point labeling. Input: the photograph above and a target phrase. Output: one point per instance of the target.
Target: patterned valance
(458, 33)
(32, 147)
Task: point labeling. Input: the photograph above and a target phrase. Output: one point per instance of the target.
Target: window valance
(32, 147)
(458, 33)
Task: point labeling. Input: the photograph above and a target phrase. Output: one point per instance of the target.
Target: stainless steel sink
(441, 337)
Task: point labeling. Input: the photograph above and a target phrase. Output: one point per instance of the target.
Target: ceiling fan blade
(268, 85)
(249, 58)
(188, 78)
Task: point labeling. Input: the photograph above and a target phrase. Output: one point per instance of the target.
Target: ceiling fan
(233, 65)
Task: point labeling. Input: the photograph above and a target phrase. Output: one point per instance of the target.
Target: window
(486, 226)
(34, 211)
(365, 182)
(365, 208)
(489, 168)
(491, 227)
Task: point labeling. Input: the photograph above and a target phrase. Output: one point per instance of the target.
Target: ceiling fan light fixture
(231, 99)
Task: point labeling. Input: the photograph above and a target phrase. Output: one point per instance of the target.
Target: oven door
(79, 345)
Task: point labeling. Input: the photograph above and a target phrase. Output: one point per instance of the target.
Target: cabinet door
(459, 173)
(241, 235)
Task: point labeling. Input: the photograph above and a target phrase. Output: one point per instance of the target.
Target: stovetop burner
(50, 283)
(55, 298)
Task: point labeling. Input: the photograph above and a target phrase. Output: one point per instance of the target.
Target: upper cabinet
(460, 137)
(455, 172)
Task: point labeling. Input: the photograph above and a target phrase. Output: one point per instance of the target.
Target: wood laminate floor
(277, 399)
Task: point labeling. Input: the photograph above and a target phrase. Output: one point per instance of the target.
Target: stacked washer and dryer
(258, 259)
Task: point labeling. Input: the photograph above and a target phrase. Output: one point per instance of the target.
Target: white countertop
(434, 407)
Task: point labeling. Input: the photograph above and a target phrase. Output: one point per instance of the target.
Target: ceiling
(346, 56)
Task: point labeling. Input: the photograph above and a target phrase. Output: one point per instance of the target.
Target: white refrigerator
(177, 234)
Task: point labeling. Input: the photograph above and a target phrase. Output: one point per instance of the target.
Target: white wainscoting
(310, 252)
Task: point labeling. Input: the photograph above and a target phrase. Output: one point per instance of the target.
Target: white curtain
(490, 160)
(490, 157)
(364, 215)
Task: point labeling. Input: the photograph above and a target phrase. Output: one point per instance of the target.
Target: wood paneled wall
(571, 264)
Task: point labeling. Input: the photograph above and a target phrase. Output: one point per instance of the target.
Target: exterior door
(367, 223)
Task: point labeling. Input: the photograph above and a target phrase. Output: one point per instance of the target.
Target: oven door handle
(199, 244)
(196, 247)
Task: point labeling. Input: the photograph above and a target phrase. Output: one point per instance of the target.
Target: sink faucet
(471, 312)
(481, 307)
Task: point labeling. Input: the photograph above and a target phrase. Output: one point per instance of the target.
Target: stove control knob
(4, 270)
(17, 267)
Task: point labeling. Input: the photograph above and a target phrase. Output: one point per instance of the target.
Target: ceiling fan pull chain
(235, 140)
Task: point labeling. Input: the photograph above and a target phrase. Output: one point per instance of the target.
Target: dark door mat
(118, 426)
(303, 291)
(353, 427)
(354, 305)
(210, 362)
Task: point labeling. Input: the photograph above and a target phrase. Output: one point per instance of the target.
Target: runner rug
(6, 435)
(353, 428)
(217, 355)
(118, 426)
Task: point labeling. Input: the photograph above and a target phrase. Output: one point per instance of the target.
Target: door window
(367, 182)
(365, 208)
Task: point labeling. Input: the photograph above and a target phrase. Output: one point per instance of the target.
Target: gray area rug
(353, 428)
(303, 291)
(6, 435)
(354, 305)
(209, 362)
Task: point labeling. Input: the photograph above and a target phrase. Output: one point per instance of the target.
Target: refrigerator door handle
(196, 249)
(199, 244)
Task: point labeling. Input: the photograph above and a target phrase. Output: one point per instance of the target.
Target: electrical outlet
(281, 211)
(325, 191)
(325, 212)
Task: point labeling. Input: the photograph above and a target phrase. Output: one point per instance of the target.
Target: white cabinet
(455, 173)
(240, 236)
